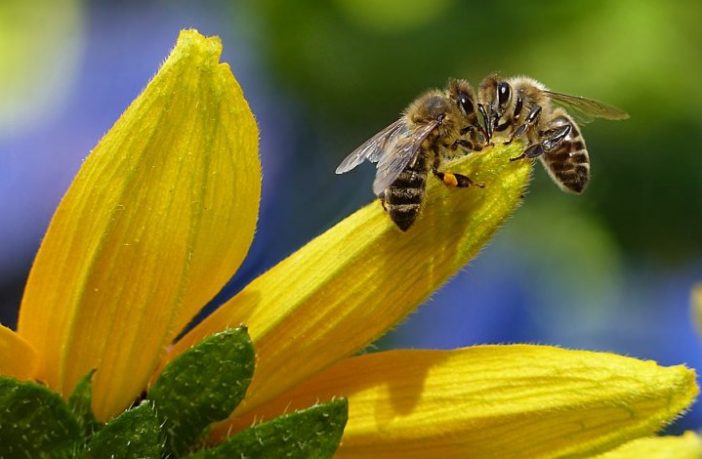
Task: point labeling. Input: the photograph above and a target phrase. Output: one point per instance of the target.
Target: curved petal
(687, 446)
(354, 282)
(17, 357)
(492, 401)
(158, 218)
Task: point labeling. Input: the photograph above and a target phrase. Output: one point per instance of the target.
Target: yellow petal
(491, 401)
(351, 284)
(157, 220)
(17, 357)
(687, 446)
(697, 307)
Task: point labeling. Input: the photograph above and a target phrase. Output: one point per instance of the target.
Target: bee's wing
(587, 109)
(373, 148)
(399, 154)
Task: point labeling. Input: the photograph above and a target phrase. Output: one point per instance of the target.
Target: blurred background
(610, 270)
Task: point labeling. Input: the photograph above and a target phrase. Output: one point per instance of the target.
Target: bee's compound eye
(466, 103)
(503, 91)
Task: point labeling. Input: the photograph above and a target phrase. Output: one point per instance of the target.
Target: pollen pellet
(450, 179)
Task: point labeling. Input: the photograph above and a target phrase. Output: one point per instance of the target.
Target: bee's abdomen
(569, 163)
(403, 199)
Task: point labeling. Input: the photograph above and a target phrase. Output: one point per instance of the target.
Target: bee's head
(430, 107)
(495, 94)
(461, 92)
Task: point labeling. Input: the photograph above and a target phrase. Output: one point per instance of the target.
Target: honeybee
(521, 106)
(432, 128)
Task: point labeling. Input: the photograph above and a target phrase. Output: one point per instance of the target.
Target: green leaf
(35, 422)
(203, 385)
(80, 404)
(133, 434)
(310, 433)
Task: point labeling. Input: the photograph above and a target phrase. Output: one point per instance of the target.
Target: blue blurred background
(610, 270)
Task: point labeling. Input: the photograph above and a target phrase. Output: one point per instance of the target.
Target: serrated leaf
(35, 422)
(80, 404)
(133, 434)
(310, 433)
(202, 386)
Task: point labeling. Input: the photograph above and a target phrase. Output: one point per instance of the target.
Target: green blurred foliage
(357, 64)
(40, 46)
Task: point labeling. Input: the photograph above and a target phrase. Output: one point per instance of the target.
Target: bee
(523, 107)
(434, 127)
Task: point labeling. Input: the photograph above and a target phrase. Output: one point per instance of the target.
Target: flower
(162, 214)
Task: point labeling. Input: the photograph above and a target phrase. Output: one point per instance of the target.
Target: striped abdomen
(403, 199)
(568, 163)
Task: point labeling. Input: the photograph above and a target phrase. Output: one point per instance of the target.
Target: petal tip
(687, 383)
(191, 40)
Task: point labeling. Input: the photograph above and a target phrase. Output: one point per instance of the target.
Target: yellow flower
(161, 215)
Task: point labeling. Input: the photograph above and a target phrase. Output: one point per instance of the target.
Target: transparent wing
(587, 109)
(373, 148)
(400, 154)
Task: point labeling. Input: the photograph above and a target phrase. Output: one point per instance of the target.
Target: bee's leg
(529, 122)
(467, 130)
(478, 136)
(480, 141)
(464, 144)
(454, 180)
(381, 196)
(503, 126)
(532, 151)
(553, 138)
(472, 139)
(550, 140)
(451, 179)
